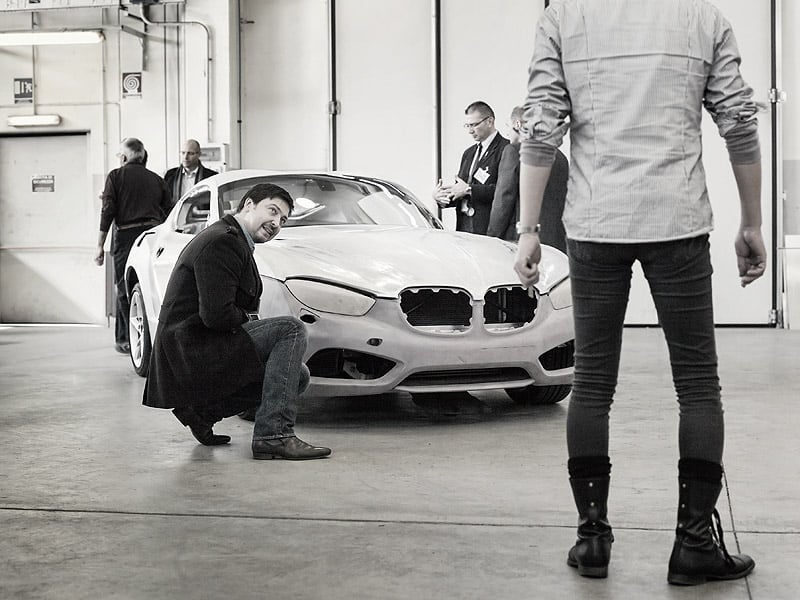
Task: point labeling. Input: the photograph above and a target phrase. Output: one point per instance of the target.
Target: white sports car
(391, 300)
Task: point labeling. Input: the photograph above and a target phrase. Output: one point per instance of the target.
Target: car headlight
(561, 295)
(330, 298)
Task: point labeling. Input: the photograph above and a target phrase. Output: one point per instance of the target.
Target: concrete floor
(103, 498)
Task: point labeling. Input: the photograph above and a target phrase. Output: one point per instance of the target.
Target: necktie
(474, 166)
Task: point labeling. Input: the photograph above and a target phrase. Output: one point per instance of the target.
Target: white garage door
(48, 227)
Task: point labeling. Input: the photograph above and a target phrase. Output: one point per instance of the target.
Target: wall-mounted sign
(131, 84)
(23, 90)
(43, 183)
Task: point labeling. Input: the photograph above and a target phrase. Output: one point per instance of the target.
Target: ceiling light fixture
(50, 38)
(33, 120)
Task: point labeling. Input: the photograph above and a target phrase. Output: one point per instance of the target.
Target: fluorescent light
(49, 38)
(33, 120)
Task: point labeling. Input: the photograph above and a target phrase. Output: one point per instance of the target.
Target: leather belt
(148, 223)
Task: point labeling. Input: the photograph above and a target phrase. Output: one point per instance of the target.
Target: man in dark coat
(473, 190)
(134, 200)
(505, 207)
(212, 356)
(180, 179)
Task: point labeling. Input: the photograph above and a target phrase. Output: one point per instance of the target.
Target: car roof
(238, 174)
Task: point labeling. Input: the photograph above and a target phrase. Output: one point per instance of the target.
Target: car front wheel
(139, 333)
(539, 394)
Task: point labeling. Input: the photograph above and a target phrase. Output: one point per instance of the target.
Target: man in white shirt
(180, 179)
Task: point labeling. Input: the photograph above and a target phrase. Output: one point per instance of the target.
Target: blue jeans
(281, 344)
(679, 275)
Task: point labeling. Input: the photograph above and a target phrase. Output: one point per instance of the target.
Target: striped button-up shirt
(628, 79)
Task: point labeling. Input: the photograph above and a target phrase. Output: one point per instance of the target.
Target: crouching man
(212, 357)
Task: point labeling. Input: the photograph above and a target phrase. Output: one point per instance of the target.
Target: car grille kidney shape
(511, 306)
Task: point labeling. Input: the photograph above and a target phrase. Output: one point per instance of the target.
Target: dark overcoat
(200, 352)
(505, 208)
(173, 175)
(482, 193)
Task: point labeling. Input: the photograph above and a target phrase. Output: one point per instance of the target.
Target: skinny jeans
(679, 275)
(280, 343)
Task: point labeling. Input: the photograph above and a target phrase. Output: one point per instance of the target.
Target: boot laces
(716, 535)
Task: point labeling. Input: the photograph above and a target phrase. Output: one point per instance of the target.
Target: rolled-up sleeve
(547, 105)
(729, 100)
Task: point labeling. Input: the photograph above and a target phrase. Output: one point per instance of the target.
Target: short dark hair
(481, 108)
(260, 191)
(134, 151)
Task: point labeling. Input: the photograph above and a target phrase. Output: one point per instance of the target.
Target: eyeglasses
(474, 125)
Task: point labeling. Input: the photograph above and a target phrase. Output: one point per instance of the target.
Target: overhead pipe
(207, 63)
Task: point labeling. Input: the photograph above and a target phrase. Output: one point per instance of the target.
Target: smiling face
(264, 220)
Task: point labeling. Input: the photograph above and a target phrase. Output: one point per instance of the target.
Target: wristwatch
(523, 229)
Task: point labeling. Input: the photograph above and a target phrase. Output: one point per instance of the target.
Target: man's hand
(99, 256)
(458, 189)
(751, 254)
(529, 253)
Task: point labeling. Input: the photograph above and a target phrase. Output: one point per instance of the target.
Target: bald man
(180, 179)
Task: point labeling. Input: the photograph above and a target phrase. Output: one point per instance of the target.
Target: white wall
(385, 82)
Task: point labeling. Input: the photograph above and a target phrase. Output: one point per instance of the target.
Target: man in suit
(473, 190)
(212, 356)
(180, 179)
(505, 207)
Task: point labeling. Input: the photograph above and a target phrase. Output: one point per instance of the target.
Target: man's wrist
(528, 229)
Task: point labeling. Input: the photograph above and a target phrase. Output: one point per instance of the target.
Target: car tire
(539, 394)
(139, 333)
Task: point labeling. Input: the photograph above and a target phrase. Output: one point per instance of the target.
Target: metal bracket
(334, 107)
(776, 96)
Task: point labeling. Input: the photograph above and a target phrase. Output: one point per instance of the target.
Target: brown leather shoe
(289, 448)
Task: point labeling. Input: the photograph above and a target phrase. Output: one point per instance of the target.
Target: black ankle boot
(592, 550)
(699, 554)
(201, 429)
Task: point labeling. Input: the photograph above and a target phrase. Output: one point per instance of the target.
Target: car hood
(384, 260)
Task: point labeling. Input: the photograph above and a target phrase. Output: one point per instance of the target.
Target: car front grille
(431, 307)
(510, 305)
(465, 376)
(450, 309)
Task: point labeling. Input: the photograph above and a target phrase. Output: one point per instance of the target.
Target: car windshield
(337, 200)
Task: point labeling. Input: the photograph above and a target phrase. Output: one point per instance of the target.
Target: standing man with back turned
(134, 200)
(472, 191)
(505, 207)
(180, 179)
(632, 77)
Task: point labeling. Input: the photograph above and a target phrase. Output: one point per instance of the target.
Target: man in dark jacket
(134, 200)
(472, 191)
(505, 207)
(212, 356)
(180, 179)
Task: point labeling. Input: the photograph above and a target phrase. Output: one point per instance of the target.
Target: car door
(191, 217)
